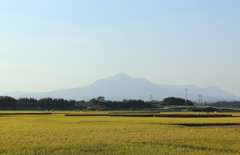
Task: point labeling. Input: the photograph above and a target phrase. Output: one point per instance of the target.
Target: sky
(49, 45)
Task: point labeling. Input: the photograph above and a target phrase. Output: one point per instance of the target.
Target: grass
(58, 134)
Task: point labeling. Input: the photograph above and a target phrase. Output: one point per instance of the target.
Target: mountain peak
(212, 87)
(121, 75)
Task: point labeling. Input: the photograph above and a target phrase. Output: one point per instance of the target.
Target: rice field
(59, 134)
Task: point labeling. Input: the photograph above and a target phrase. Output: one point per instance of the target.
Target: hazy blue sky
(54, 44)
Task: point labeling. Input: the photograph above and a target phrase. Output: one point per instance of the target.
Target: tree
(7, 101)
(100, 99)
(175, 101)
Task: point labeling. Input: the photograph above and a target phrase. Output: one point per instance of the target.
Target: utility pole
(200, 99)
(185, 96)
(151, 98)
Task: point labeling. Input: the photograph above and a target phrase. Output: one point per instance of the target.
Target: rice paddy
(59, 134)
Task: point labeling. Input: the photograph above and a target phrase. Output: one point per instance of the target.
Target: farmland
(59, 134)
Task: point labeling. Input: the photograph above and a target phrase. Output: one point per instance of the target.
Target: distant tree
(7, 101)
(82, 102)
(93, 102)
(100, 99)
(27, 103)
(175, 101)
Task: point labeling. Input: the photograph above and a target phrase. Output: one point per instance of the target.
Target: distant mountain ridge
(212, 91)
(122, 86)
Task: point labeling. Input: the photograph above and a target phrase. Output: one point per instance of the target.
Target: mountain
(16, 93)
(211, 93)
(118, 87)
(122, 86)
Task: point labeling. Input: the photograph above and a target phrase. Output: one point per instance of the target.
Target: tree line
(225, 104)
(10, 102)
(100, 102)
(95, 103)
